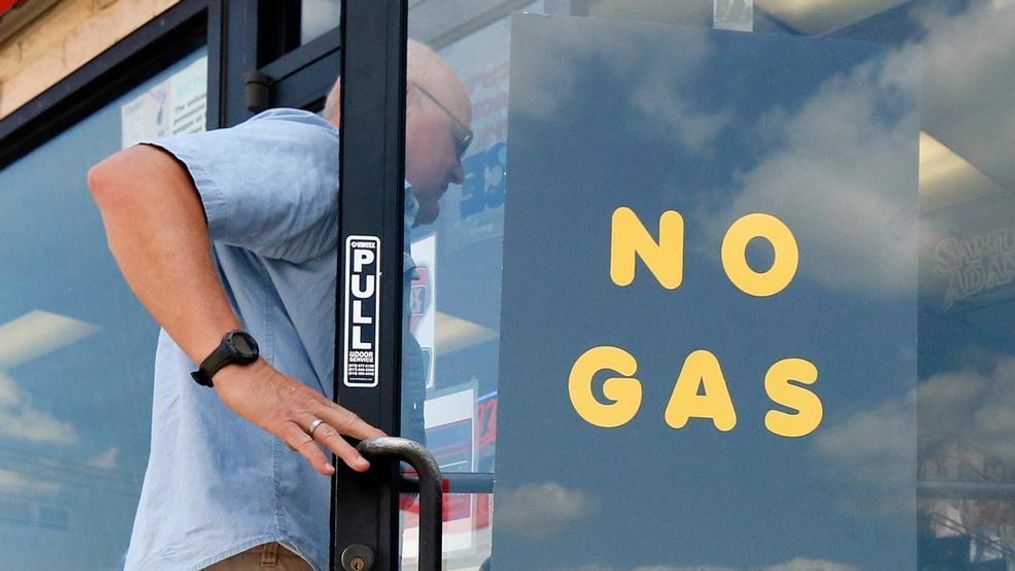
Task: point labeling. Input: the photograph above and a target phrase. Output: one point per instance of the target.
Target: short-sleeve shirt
(217, 485)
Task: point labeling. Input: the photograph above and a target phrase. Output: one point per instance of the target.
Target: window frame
(156, 44)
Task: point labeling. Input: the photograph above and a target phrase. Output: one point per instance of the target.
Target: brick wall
(63, 39)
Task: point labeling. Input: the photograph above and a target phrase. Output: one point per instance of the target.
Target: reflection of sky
(318, 17)
(967, 258)
(968, 48)
(712, 125)
(74, 420)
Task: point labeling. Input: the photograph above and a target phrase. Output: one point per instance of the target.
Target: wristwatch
(237, 348)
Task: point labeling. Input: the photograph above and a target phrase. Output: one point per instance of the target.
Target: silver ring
(314, 426)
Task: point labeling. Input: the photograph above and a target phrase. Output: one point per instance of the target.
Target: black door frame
(365, 508)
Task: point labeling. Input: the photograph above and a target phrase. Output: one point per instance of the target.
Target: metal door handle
(430, 491)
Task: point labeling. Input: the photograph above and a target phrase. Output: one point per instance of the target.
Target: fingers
(346, 422)
(307, 406)
(332, 439)
(297, 439)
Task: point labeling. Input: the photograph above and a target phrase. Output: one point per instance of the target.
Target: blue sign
(708, 331)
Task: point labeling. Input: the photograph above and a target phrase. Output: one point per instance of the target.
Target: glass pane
(76, 348)
(968, 49)
(318, 17)
(466, 532)
(454, 296)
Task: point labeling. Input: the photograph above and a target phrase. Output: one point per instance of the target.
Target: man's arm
(156, 229)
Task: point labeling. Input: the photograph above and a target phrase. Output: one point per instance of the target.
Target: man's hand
(286, 408)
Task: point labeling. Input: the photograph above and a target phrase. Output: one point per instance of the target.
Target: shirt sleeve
(269, 185)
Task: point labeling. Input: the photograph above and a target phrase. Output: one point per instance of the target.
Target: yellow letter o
(734, 259)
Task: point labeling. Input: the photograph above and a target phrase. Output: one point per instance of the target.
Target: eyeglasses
(464, 136)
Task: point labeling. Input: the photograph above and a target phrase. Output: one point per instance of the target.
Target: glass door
(670, 305)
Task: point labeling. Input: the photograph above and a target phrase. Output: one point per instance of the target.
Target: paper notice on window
(450, 437)
(175, 106)
(422, 301)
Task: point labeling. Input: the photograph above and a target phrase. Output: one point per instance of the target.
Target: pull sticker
(362, 310)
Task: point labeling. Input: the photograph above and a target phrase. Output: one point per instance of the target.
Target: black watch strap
(237, 348)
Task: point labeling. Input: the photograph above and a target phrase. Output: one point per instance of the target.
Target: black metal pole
(364, 509)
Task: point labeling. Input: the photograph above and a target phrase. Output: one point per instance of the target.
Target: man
(229, 239)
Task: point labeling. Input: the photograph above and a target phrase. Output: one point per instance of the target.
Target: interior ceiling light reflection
(947, 179)
(36, 333)
(822, 16)
(454, 334)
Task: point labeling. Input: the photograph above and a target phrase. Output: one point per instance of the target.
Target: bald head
(424, 68)
(437, 117)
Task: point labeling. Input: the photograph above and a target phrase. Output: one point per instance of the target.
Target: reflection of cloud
(541, 510)
(655, 73)
(873, 453)
(105, 460)
(36, 333)
(810, 565)
(597, 567)
(798, 564)
(656, 95)
(319, 16)
(970, 87)
(18, 484)
(850, 150)
(974, 408)
(19, 419)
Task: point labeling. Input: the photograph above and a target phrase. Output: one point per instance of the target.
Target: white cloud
(798, 564)
(873, 453)
(953, 421)
(19, 419)
(843, 152)
(18, 484)
(686, 568)
(541, 510)
(970, 88)
(973, 408)
(811, 565)
(105, 460)
(597, 567)
(319, 16)
(654, 73)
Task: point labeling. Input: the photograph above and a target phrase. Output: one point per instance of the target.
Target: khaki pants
(268, 556)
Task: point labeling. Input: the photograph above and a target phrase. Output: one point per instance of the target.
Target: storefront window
(958, 447)
(76, 348)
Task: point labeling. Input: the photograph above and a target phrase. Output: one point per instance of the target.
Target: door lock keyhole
(357, 558)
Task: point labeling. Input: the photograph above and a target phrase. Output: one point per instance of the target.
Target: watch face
(244, 345)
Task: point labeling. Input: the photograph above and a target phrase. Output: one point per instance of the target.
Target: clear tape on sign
(733, 15)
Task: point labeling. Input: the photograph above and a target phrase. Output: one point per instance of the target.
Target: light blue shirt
(217, 485)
